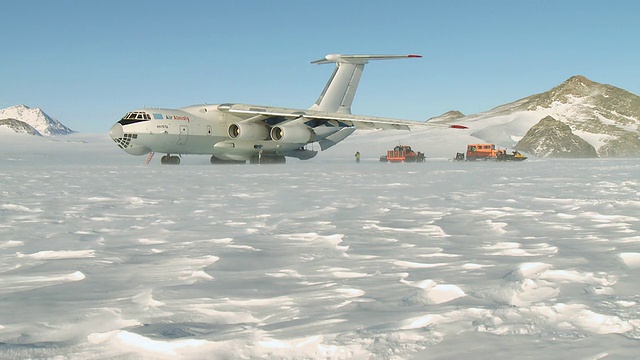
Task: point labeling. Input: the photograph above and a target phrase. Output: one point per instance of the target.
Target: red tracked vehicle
(403, 153)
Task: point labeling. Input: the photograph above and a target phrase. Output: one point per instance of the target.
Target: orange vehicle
(489, 152)
(403, 153)
(481, 151)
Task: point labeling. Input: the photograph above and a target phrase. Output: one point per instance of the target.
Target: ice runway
(320, 259)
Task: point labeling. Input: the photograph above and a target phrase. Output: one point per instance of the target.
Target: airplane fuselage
(241, 132)
(198, 129)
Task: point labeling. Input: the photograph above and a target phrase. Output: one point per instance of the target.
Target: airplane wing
(298, 115)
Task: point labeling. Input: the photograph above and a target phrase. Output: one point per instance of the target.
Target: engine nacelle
(248, 131)
(297, 134)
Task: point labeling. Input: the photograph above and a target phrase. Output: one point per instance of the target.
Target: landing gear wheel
(215, 160)
(170, 160)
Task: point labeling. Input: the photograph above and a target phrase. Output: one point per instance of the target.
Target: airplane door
(184, 134)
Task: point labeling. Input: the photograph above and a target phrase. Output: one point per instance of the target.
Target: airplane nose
(116, 131)
(124, 141)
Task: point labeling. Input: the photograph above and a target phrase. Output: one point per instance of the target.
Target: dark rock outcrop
(553, 138)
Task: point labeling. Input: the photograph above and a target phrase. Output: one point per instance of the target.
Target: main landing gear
(267, 159)
(214, 160)
(170, 160)
(253, 160)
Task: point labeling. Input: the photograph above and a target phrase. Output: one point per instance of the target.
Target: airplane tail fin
(340, 90)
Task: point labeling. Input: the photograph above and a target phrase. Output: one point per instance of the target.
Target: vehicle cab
(481, 151)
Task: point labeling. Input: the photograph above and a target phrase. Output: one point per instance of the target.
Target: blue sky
(87, 63)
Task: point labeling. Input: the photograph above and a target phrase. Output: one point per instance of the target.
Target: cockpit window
(134, 117)
(137, 115)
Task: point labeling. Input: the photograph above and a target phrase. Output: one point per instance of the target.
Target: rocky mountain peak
(578, 82)
(553, 138)
(578, 89)
(571, 89)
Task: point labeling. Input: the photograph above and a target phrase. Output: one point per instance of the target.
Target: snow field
(319, 259)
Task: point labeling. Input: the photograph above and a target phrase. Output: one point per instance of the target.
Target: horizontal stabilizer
(360, 59)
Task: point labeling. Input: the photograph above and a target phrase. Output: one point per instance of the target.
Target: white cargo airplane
(233, 133)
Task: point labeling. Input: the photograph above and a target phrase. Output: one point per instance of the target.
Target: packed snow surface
(103, 257)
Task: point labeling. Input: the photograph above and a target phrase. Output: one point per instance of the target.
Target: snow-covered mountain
(605, 116)
(16, 126)
(38, 119)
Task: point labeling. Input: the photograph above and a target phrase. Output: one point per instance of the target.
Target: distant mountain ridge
(36, 118)
(448, 116)
(606, 117)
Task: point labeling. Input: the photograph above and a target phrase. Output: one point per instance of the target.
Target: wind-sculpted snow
(320, 259)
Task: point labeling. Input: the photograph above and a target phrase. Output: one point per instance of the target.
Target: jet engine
(248, 131)
(297, 134)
